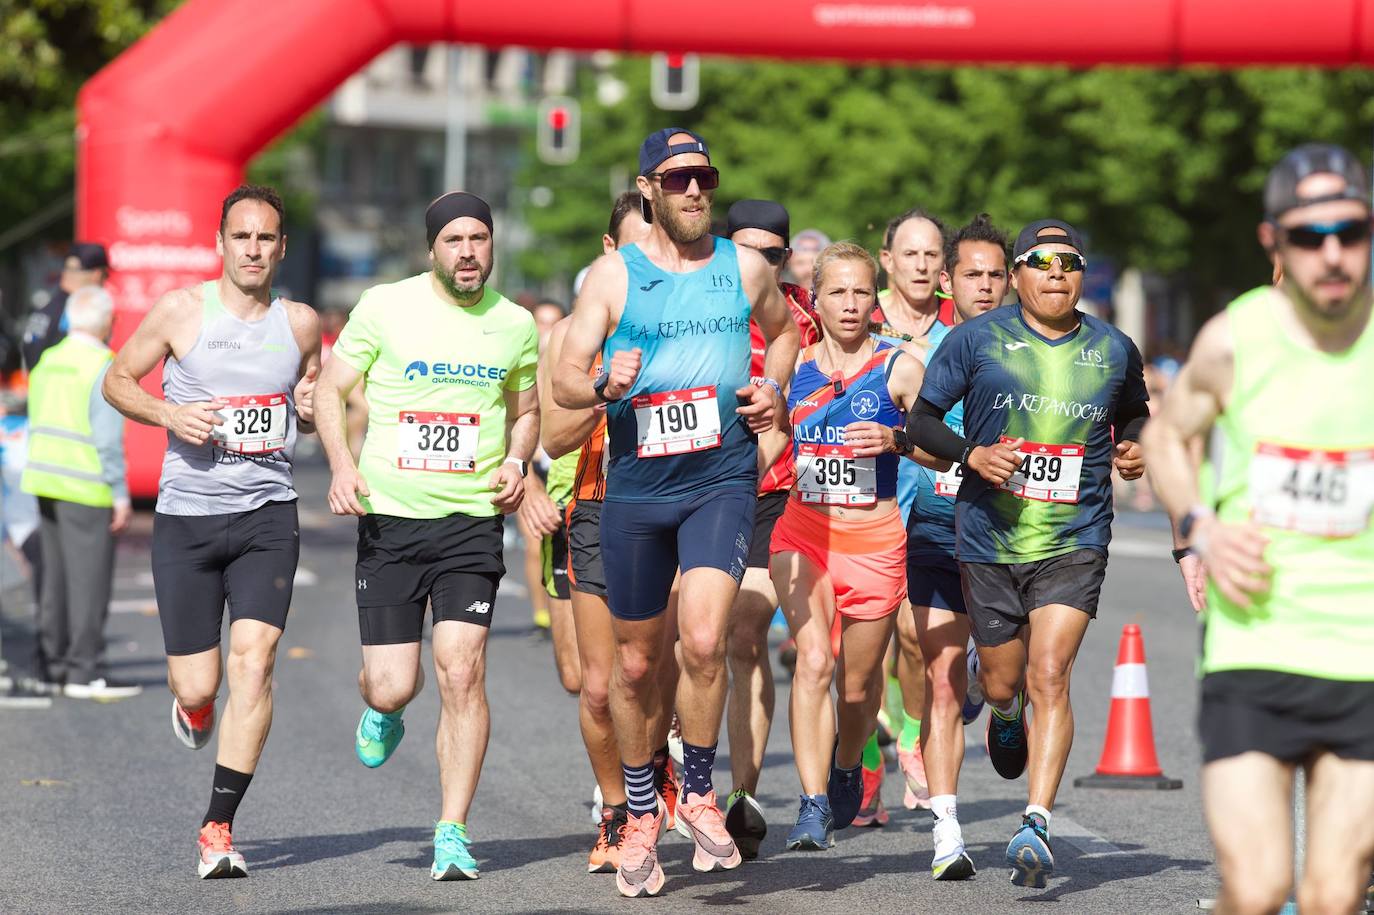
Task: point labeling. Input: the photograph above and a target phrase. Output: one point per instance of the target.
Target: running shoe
(845, 791)
(605, 856)
(377, 736)
(665, 783)
(639, 873)
(101, 690)
(973, 698)
(452, 858)
(1006, 740)
(951, 861)
(871, 811)
(815, 829)
(193, 729)
(217, 857)
(745, 822)
(914, 769)
(1029, 853)
(715, 848)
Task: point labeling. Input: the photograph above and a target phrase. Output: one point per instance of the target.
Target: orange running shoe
(715, 847)
(871, 811)
(914, 768)
(217, 855)
(605, 856)
(665, 783)
(639, 873)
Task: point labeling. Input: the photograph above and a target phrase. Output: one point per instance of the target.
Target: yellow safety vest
(63, 461)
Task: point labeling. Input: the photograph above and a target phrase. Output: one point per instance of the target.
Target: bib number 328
(1312, 491)
(1048, 473)
(442, 442)
(252, 425)
(677, 422)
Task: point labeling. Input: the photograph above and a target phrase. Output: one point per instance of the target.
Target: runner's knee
(815, 667)
(1048, 680)
(702, 651)
(250, 668)
(1330, 894)
(635, 667)
(193, 692)
(1256, 892)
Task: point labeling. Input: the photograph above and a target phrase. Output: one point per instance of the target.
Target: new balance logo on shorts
(362, 584)
(479, 607)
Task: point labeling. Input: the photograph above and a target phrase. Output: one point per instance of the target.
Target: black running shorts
(766, 515)
(553, 553)
(1000, 597)
(584, 548)
(201, 562)
(455, 564)
(1286, 716)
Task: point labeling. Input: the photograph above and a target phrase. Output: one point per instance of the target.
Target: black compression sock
(228, 790)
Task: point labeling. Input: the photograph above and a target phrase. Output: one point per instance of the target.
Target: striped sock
(697, 763)
(639, 789)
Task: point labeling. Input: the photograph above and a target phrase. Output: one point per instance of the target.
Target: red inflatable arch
(166, 129)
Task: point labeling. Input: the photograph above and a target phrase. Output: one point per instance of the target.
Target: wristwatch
(1190, 520)
(599, 386)
(522, 466)
(901, 441)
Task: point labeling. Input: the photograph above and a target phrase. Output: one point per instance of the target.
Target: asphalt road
(99, 805)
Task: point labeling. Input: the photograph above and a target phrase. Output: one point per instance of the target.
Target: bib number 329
(1048, 473)
(442, 442)
(677, 422)
(252, 425)
(1312, 491)
(831, 475)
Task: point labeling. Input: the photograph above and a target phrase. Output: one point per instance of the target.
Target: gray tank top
(255, 366)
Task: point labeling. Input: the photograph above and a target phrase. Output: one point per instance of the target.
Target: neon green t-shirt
(437, 376)
(562, 477)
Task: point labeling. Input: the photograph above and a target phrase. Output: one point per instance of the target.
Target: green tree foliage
(1162, 168)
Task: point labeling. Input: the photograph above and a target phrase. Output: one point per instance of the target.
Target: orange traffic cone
(1128, 755)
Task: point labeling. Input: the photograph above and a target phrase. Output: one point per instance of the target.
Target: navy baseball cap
(656, 149)
(1030, 237)
(1281, 187)
(87, 256)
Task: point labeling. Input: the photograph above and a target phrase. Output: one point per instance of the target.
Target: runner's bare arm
(305, 327)
(169, 328)
(773, 316)
(560, 430)
(522, 435)
(871, 439)
(1189, 409)
(336, 380)
(594, 317)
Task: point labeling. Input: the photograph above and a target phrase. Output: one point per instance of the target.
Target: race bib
(1048, 473)
(1324, 493)
(443, 442)
(831, 475)
(677, 422)
(252, 425)
(947, 482)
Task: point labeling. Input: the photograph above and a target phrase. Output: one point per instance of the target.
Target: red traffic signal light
(559, 130)
(675, 81)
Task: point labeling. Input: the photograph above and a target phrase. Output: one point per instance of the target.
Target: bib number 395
(831, 475)
(1312, 491)
(252, 425)
(1048, 473)
(442, 442)
(677, 422)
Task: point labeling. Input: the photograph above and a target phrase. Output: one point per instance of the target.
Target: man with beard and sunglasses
(453, 419)
(763, 225)
(670, 316)
(1053, 400)
(1282, 376)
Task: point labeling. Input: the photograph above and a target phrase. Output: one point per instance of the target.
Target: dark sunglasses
(677, 180)
(1043, 260)
(774, 256)
(1313, 236)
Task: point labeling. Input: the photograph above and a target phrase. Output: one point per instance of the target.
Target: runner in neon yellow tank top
(453, 418)
(1287, 678)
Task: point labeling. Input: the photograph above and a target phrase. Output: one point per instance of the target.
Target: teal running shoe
(377, 736)
(452, 860)
(1029, 853)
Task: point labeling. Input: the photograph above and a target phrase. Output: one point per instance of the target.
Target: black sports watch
(1190, 520)
(901, 441)
(599, 386)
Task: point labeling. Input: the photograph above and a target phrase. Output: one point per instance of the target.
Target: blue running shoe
(1029, 853)
(452, 860)
(1006, 740)
(973, 697)
(377, 736)
(815, 829)
(845, 792)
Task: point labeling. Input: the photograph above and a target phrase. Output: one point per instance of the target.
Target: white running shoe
(101, 689)
(951, 861)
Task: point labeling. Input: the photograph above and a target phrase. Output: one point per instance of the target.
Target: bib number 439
(1048, 473)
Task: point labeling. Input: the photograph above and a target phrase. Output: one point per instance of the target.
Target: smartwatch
(522, 466)
(1190, 520)
(902, 441)
(599, 386)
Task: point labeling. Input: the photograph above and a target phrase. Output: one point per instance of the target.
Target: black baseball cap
(88, 256)
(655, 150)
(767, 215)
(1281, 187)
(1031, 237)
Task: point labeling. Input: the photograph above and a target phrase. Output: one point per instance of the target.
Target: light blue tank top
(930, 524)
(693, 330)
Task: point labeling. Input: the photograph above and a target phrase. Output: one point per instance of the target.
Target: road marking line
(1081, 837)
(1139, 549)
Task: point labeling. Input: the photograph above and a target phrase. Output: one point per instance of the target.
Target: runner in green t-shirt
(1287, 680)
(453, 418)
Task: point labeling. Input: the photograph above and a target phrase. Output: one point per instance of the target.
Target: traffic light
(560, 126)
(675, 81)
